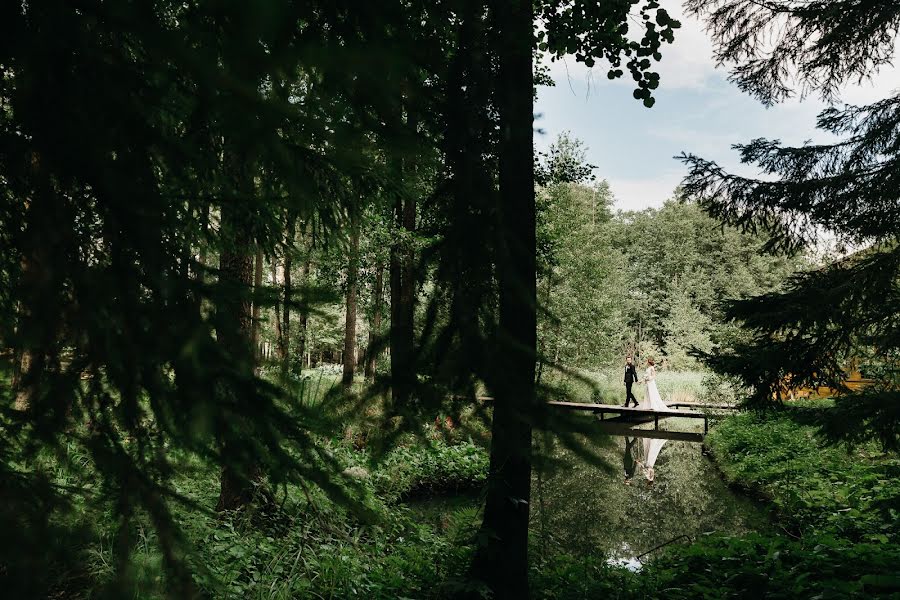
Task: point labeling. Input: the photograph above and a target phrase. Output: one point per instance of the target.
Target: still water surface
(587, 507)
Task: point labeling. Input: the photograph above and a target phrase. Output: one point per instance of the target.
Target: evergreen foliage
(162, 162)
(778, 45)
(829, 320)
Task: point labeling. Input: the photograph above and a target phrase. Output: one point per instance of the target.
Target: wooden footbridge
(619, 420)
(633, 414)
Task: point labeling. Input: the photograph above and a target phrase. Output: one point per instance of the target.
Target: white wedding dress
(651, 452)
(652, 400)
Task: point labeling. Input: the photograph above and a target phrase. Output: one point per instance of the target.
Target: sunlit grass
(607, 387)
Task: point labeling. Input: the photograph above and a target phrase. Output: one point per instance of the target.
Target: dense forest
(290, 306)
(609, 282)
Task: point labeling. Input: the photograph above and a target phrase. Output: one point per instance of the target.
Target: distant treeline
(648, 282)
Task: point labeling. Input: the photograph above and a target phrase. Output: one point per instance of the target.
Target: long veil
(651, 451)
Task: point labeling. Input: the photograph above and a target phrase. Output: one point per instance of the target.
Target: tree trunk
(234, 333)
(34, 352)
(403, 282)
(24, 386)
(350, 322)
(375, 327)
(236, 266)
(284, 350)
(303, 317)
(279, 339)
(257, 285)
(24, 382)
(502, 559)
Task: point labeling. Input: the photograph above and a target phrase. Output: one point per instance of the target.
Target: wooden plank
(627, 417)
(620, 428)
(703, 405)
(621, 410)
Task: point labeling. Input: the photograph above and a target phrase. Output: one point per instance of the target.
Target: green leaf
(881, 582)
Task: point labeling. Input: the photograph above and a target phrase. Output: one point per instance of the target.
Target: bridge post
(656, 422)
(705, 424)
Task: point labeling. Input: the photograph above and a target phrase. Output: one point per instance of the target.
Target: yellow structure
(853, 381)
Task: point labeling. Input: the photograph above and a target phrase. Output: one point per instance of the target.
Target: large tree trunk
(350, 322)
(403, 287)
(375, 326)
(502, 560)
(234, 334)
(24, 382)
(34, 354)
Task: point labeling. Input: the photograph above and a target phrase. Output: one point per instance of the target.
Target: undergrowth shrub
(852, 493)
(414, 471)
(777, 567)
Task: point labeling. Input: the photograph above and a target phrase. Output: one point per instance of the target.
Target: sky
(697, 111)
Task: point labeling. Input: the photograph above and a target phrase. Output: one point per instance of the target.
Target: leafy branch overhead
(844, 316)
(776, 46)
(597, 31)
(850, 188)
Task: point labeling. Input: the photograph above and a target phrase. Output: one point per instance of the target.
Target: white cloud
(687, 63)
(638, 194)
(706, 116)
(883, 84)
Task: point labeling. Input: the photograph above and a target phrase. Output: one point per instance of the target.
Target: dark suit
(630, 459)
(630, 377)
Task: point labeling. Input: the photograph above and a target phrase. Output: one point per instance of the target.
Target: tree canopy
(831, 318)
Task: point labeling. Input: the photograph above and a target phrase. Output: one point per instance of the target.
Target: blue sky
(697, 110)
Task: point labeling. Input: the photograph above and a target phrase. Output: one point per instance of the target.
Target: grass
(413, 471)
(607, 387)
(311, 386)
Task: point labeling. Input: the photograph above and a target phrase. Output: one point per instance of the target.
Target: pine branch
(814, 45)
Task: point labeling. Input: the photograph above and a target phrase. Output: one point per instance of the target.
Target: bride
(651, 451)
(652, 400)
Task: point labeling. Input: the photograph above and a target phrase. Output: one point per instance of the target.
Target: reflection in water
(581, 508)
(651, 452)
(631, 457)
(640, 453)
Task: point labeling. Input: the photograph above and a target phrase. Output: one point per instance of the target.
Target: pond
(588, 507)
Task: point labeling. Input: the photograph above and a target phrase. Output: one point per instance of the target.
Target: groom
(630, 377)
(632, 458)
